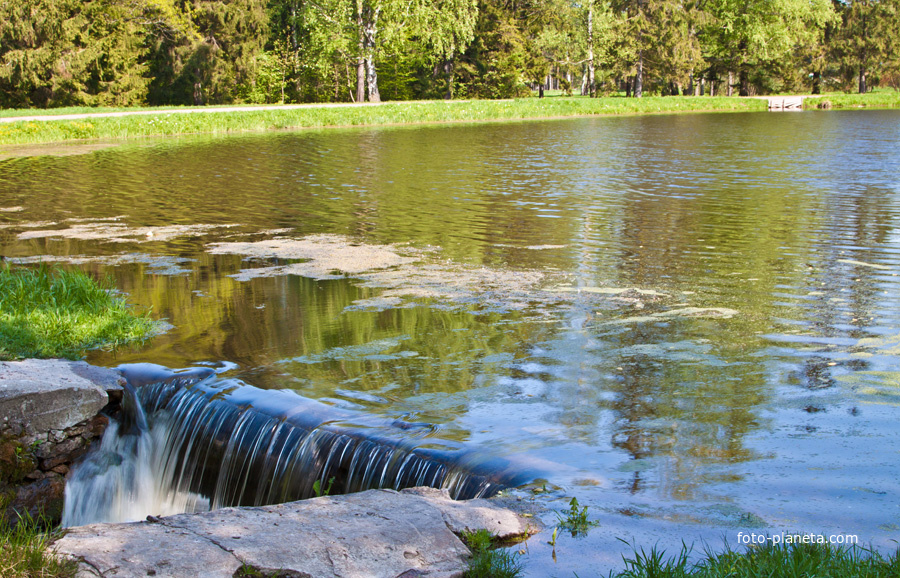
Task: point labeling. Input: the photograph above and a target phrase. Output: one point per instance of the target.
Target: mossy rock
(41, 501)
(16, 461)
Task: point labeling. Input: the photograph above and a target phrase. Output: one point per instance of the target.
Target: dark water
(753, 386)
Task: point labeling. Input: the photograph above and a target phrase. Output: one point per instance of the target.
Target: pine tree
(215, 60)
(869, 39)
(68, 52)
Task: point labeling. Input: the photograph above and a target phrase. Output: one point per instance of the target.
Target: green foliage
(866, 45)
(214, 65)
(251, 571)
(488, 562)
(500, 59)
(317, 488)
(784, 561)
(271, 81)
(24, 554)
(576, 519)
(69, 52)
(55, 313)
(129, 52)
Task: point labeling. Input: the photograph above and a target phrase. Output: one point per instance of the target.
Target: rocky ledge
(49, 414)
(373, 534)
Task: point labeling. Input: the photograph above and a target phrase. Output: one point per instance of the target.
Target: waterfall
(117, 481)
(190, 441)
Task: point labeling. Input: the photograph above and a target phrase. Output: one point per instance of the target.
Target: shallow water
(747, 381)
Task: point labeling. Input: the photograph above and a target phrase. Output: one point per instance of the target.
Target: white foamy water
(119, 481)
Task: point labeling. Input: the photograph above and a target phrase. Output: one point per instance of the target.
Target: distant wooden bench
(783, 103)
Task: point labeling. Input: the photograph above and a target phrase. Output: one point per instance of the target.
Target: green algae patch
(50, 312)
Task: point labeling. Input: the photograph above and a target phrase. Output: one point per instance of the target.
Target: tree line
(158, 52)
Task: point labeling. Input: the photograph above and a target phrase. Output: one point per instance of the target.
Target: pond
(691, 322)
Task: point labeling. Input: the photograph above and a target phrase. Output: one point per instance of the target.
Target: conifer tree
(71, 52)
(869, 39)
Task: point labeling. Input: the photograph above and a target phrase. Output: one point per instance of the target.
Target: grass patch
(168, 122)
(781, 560)
(48, 312)
(24, 552)
(488, 562)
(881, 99)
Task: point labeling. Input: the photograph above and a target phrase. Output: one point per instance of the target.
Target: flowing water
(690, 323)
(189, 441)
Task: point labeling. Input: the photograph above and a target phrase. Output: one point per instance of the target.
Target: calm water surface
(751, 385)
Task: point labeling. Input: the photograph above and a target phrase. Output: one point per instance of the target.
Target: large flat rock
(41, 395)
(373, 534)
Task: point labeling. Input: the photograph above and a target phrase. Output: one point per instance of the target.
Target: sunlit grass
(24, 553)
(781, 560)
(879, 99)
(48, 312)
(390, 113)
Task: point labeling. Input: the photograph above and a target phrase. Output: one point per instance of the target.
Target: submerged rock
(377, 533)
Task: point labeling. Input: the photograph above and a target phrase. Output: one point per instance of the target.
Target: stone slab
(373, 534)
(472, 515)
(142, 549)
(41, 395)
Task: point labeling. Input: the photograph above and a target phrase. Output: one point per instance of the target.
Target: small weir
(187, 441)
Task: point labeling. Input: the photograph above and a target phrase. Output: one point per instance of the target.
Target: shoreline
(117, 125)
(86, 128)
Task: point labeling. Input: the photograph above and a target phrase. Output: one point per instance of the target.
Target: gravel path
(180, 111)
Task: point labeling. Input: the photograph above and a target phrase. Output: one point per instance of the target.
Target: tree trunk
(372, 80)
(370, 32)
(745, 81)
(690, 86)
(448, 71)
(198, 89)
(817, 83)
(361, 50)
(628, 87)
(590, 70)
(730, 91)
(360, 79)
(639, 76)
(744, 73)
(862, 80)
(295, 43)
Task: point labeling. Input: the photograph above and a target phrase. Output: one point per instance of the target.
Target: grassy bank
(411, 112)
(881, 99)
(55, 313)
(24, 553)
(784, 561)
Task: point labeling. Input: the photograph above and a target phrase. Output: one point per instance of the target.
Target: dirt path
(180, 111)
